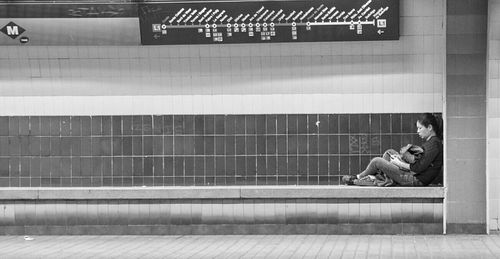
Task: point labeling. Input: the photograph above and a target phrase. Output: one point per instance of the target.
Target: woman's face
(424, 132)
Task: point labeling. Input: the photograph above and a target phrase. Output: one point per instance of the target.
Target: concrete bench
(223, 210)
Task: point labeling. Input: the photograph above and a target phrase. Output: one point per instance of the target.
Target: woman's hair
(427, 119)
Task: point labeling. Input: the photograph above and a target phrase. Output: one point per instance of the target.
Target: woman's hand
(396, 161)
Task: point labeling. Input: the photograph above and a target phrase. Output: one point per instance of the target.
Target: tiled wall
(466, 116)
(404, 76)
(168, 150)
(493, 113)
(222, 216)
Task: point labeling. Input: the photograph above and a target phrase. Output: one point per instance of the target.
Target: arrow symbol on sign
(156, 36)
(380, 32)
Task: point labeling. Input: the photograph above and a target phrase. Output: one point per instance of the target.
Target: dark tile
(270, 145)
(230, 166)
(117, 146)
(13, 126)
(137, 125)
(220, 166)
(25, 167)
(230, 145)
(148, 166)
(281, 124)
(271, 123)
(260, 124)
(4, 126)
(14, 167)
(344, 146)
(302, 145)
(96, 125)
(209, 166)
(157, 125)
(65, 127)
(292, 144)
(282, 146)
(333, 123)
(147, 125)
(96, 166)
(385, 123)
(240, 145)
(138, 166)
(364, 144)
(158, 145)
(312, 180)
(282, 165)
(364, 123)
(127, 146)
(209, 145)
(396, 123)
(344, 165)
(209, 125)
(251, 162)
(363, 162)
(220, 124)
(45, 146)
(312, 127)
(189, 145)
(24, 143)
(34, 145)
(344, 123)
(230, 126)
(95, 146)
(385, 143)
(302, 166)
(405, 140)
(66, 143)
(126, 125)
(353, 144)
(292, 124)
(45, 126)
(45, 167)
(106, 125)
(219, 145)
(15, 146)
(168, 125)
(375, 144)
(137, 146)
(354, 126)
(199, 166)
(396, 142)
(178, 145)
(323, 126)
(34, 167)
(292, 167)
(313, 144)
(199, 124)
(75, 126)
(323, 165)
(354, 165)
(4, 146)
(323, 144)
(168, 145)
(147, 145)
(251, 145)
(408, 123)
(261, 167)
(24, 125)
(241, 165)
(34, 126)
(271, 165)
(302, 127)
(250, 124)
(375, 126)
(199, 145)
(239, 121)
(117, 167)
(179, 167)
(55, 146)
(313, 165)
(116, 125)
(168, 166)
(86, 125)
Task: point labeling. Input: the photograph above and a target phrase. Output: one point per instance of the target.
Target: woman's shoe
(349, 179)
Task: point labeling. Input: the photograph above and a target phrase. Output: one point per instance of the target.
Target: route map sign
(216, 22)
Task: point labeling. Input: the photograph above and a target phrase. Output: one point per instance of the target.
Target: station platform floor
(252, 246)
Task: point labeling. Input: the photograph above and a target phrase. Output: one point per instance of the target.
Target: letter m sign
(12, 30)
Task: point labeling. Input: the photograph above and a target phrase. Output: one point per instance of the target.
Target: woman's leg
(391, 170)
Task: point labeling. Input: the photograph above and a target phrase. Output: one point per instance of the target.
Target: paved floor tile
(252, 246)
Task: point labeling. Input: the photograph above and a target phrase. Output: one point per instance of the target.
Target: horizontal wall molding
(220, 104)
(229, 192)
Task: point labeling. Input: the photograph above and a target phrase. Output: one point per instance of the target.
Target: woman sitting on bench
(418, 172)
